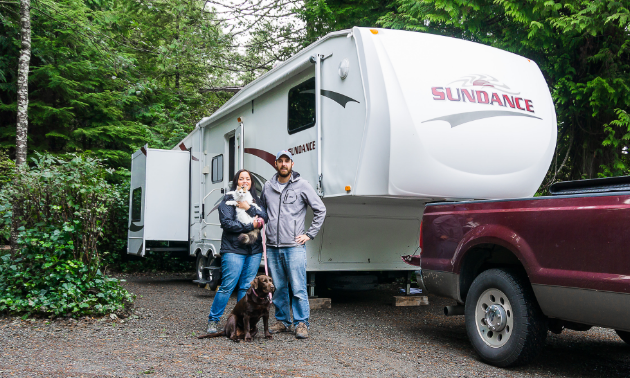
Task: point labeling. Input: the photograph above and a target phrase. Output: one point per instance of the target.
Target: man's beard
(285, 175)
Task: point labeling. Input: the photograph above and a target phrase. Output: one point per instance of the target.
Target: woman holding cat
(239, 262)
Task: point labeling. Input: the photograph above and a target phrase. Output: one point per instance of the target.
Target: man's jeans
(235, 269)
(288, 267)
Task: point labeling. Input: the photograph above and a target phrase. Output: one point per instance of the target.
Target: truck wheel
(623, 335)
(503, 320)
(200, 273)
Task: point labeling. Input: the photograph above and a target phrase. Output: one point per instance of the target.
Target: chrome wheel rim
(494, 318)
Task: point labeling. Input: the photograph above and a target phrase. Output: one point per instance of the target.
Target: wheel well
(210, 251)
(483, 257)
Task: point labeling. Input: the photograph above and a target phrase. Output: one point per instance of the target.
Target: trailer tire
(504, 322)
(200, 273)
(623, 335)
(214, 275)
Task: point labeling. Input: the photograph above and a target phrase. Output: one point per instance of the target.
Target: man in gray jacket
(285, 197)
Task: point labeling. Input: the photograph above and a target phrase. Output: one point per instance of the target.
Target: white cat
(239, 195)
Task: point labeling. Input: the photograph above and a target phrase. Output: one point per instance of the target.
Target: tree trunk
(22, 83)
(22, 110)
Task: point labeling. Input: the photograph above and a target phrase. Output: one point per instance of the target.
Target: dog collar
(258, 296)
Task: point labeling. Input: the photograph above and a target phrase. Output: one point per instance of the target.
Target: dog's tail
(216, 334)
(249, 238)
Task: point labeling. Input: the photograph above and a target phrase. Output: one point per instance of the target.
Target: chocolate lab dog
(241, 324)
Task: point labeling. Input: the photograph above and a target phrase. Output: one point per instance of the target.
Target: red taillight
(420, 241)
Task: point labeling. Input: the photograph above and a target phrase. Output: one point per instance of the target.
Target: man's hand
(302, 239)
(257, 222)
(243, 205)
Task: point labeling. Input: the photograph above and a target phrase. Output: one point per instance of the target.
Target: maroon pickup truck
(520, 268)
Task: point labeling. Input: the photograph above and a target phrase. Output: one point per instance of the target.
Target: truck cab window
(136, 205)
(217, 169)
(302, 106)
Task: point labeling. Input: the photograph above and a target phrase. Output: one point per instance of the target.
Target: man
(286, 197)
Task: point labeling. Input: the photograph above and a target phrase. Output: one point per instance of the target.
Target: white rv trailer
(403, 118)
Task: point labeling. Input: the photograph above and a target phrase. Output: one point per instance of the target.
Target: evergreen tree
(109, 76)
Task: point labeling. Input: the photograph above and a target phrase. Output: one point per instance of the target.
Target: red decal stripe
(266, 156)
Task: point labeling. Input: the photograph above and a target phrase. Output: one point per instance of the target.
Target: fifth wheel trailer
(380, 122)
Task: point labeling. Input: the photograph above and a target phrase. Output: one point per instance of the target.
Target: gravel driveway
(361, 336)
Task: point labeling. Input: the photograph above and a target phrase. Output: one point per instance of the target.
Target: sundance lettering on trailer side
(481, 97)
(482, 89)
(302, 148)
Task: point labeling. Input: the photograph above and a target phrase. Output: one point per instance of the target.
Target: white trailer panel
(167, 195)
(159, 205)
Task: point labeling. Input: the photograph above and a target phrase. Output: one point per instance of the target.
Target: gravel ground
(361, 336)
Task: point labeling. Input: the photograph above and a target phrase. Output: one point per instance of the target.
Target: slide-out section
(159, 198)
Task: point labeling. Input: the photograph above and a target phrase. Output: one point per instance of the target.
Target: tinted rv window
(136, 205)
(259, 182)
(302, 106)
(217, 169)
(232, 153)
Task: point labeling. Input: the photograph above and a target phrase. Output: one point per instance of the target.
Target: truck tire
(623, 335)
(503, 320)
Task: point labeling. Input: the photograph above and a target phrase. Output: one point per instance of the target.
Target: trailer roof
(270, 79)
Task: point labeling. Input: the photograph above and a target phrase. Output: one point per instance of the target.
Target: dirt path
(361, 336)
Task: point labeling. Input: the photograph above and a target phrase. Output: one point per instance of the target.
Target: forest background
(108, 76)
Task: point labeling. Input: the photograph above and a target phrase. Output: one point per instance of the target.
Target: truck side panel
(574, 250)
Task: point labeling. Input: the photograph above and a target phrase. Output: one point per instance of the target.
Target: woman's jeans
(235, 269)
(288, 267)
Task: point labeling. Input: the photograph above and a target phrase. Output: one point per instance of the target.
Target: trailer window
(217, 169)
(136, 205)
(232, 156)
(259, 182)
(302, 106)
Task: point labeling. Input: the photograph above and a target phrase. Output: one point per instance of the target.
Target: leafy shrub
(47, 279)
(56, 269)
(7, 168)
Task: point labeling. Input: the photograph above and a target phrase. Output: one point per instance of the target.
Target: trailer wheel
(623, 335)
(200, 273)
(503, 320)
(214, 273)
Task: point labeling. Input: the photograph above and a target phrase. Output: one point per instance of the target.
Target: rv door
(135, 235)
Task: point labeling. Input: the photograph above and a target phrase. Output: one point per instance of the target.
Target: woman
(239, 262)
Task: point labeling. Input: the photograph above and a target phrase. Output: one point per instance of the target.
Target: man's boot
(279, 327)
(301, 331)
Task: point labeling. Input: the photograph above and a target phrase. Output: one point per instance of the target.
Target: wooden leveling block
(317, 303)
(405, 301)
